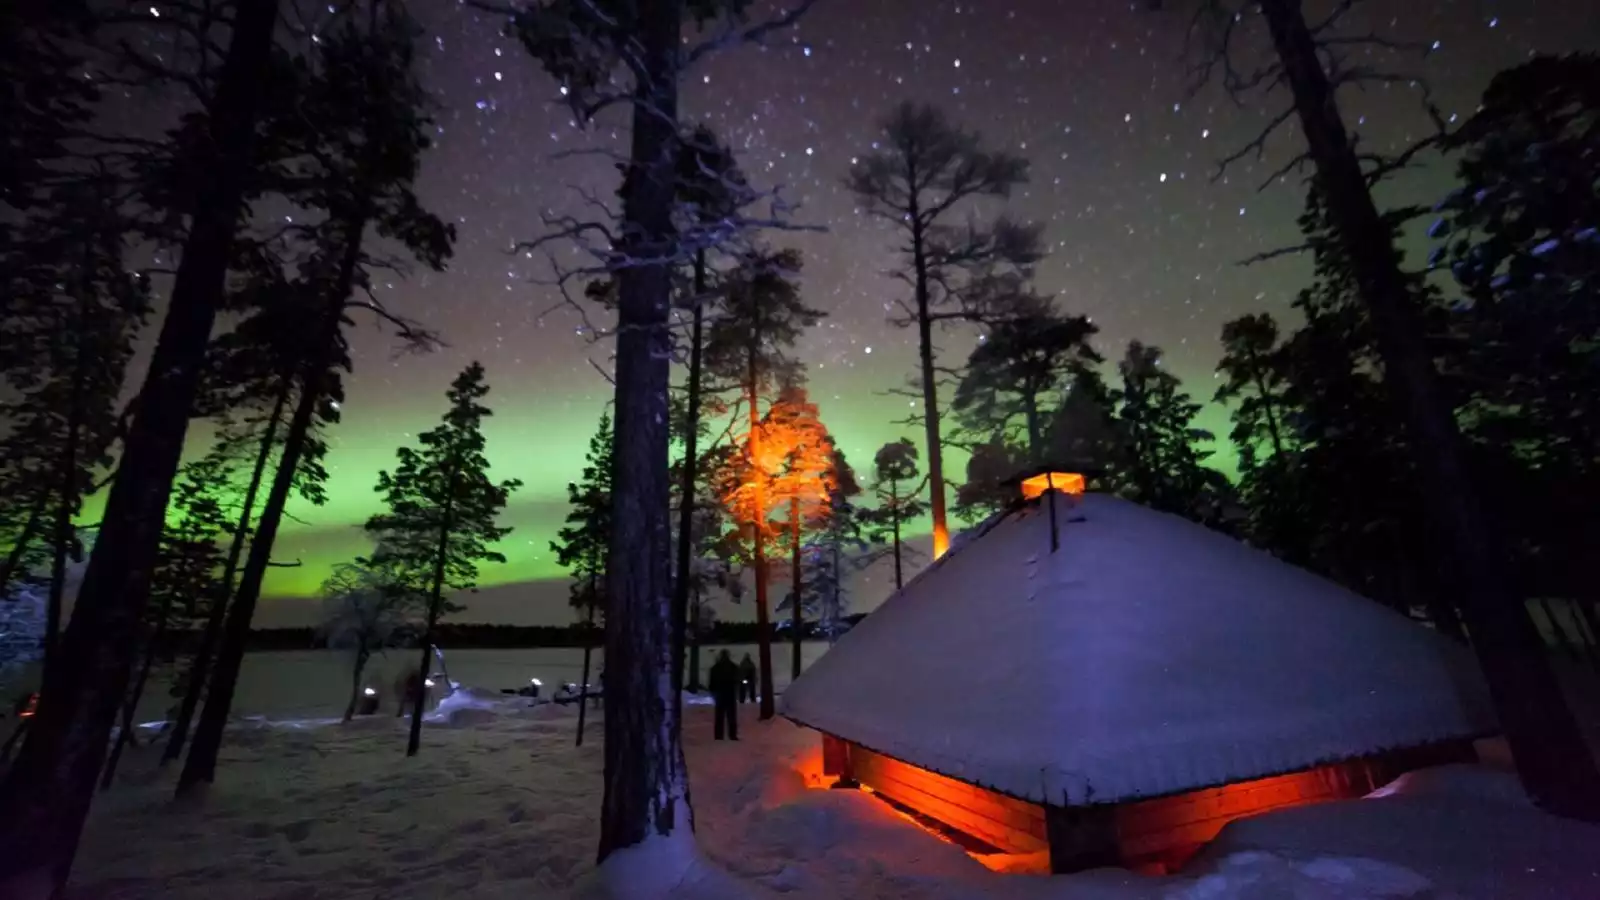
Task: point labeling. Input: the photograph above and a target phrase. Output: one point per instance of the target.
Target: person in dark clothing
(724, 684)
(747, 680)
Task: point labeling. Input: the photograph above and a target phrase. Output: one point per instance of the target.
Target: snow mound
(664, 868)
(1468, 782)
(1463, 830)
(1148, 655)
(1255, 875)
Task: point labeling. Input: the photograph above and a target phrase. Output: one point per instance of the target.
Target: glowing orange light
(941, 540)
(1065, 482)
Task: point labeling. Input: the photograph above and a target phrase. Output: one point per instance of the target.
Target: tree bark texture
(646, 783)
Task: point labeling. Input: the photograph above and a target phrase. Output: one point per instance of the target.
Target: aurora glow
(1141, 239)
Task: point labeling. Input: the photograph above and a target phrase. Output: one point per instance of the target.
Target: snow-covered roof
(1147, 656)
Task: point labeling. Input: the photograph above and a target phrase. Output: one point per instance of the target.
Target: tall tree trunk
(130, 707)
(796, 614)
(758, 540)
(758, 524)
(930, 384)
(646, 784)
(45, 795)
(441, 556)
(200, 668)
(588, 656)
(680, 588)
(1552, 757)
(200, 766)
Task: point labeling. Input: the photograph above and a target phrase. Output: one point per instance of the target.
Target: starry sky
(1142, 239)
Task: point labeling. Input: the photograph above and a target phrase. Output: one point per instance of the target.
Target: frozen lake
(309, 683)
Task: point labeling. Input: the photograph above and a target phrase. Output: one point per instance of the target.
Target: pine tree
(1157, 421)
(46, 793)
(989, 466)
(748, 345)
(1083, 431)
(1256, 387)
(441, 519)
(896, 483)
(583, 543)
(925, 172)
(838, 550)
(1019, 371)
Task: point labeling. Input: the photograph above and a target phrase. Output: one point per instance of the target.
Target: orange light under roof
(1065, 482)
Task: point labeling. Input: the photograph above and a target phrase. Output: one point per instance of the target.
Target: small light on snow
(806, 50)
(958, 63)
(535, 682)
(427, 682)
(1241, 210)
(1494, 22)
(808, 151)
(1163, 178)
(1437, 44)
(1205, 133)
(869, 349)
(369, 692)
(498, 77)
(563, 90)
(1127, 117)
(155, 12)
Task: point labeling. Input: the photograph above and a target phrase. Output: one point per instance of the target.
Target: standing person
(747, 679)
(724, 684)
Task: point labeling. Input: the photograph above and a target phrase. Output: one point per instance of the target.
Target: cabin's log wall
(1005, 823)
(1156, 835)
(1163, 833)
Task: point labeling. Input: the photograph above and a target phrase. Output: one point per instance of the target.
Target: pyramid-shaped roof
(1147, 656)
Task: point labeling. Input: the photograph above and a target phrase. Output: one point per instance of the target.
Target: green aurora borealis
(1140, 237)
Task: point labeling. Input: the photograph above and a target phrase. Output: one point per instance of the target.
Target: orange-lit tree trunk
(930, 384)
(758, 552)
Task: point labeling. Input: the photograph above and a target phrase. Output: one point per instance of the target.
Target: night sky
(1093, 93)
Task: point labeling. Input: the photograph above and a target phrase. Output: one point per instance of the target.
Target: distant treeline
(488, 636)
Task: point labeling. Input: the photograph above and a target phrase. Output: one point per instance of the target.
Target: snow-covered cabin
(1088, 677)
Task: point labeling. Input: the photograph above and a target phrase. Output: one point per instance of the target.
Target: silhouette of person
(747, 680)
(724, 684)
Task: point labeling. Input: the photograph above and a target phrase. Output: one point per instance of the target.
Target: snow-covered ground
(501, 804)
